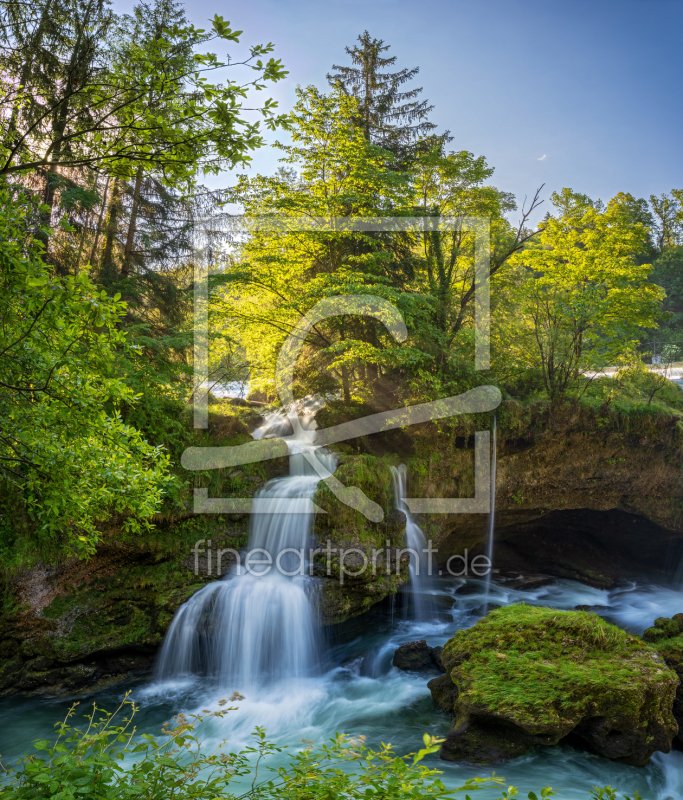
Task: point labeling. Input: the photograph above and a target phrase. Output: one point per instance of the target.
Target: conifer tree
(388, 115)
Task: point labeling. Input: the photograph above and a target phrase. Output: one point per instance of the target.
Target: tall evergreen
(388, 115)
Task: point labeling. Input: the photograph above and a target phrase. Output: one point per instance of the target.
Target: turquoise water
(357, 691)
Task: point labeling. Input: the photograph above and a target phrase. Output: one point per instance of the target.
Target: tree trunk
(93, 252)
(130, 238)
(345, 384)
(107, 268)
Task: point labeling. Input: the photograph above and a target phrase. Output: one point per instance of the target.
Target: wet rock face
(79, 624)
(576, 501)
(444, 692)
(526, 676)
(666, 635)
(418, 657)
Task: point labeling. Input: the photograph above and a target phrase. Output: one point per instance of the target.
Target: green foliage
(277, 278)
(63, 442)
(581, 295)
(639, 381)
(452, 186)
(667, 272)
(106, 760)
(608, 793)
(148, 102)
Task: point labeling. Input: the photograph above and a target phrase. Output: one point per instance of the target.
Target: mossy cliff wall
(588, 497)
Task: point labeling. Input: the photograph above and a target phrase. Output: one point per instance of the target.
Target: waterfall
(492, 516)
(251, 629)
(416, 542)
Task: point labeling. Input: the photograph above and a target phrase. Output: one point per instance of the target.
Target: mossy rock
(667, 636)
(528, 676)
(373, 477)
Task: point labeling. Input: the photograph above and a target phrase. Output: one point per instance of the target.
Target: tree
(583, 296)
(102, 112)
(638, 210)
(451, 186)
(65, 454)
(387, 116)
(669, 218)
(276, 278)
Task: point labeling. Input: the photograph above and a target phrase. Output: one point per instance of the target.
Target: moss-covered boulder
(667, 636)
(527, 676)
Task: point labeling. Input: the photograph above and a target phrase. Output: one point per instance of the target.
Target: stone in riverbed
(667, 636)
(444, 692)
(527, 676)
(482, 611)
(418, 657)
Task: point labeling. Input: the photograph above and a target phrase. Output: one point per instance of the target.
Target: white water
(492, 514)
(361, 693)
(416, 543)
(257, 635)
(257, 625)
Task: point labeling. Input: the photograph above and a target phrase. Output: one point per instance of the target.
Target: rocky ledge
(525, 676)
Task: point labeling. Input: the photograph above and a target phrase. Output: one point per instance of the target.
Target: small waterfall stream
(256, 626)
(492, 515)
(415, 541)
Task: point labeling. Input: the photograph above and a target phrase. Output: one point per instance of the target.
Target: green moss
(372, 475)
(541, 665)
(667, 636)
(59, 606)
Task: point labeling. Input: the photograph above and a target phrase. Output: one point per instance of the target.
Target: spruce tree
(389, 116)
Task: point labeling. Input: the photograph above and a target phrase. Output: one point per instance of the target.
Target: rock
(664, 628)
(468, 588)
(601, 611)
(394, 524)
(529, 583)
(482, 611)
(528, 676)
(667, 636)
(418, 657)
(444, 692)
(436, 658)
(414, 656)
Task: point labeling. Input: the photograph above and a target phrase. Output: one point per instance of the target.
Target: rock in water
(444, 693)
(667, 637)
(418, 657)
(527, 676)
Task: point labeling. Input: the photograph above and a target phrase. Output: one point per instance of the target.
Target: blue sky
(578, 94)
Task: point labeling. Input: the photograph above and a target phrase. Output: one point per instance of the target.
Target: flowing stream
(492, 514)
(422, 605)
(257, 625)
(357, 691)
(257, 634)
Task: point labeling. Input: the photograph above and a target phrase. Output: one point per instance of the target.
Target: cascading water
(416, 542)
(492, 515)
(257, 625)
